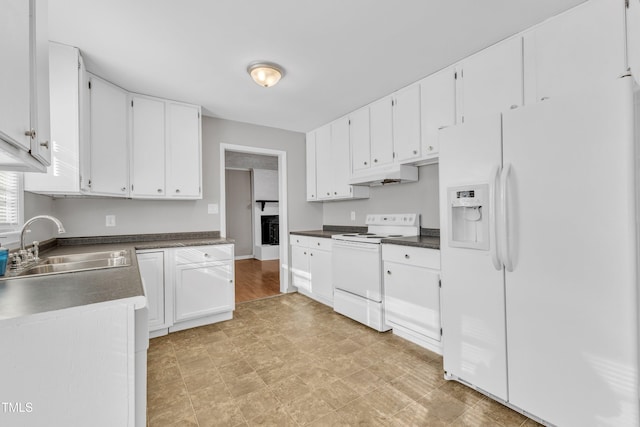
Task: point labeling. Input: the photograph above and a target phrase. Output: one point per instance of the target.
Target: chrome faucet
(32, 220)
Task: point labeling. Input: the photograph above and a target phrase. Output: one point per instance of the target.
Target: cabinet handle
(159, 190)
(365, 163)
(430, 148)
(318, 243)
(335, 192)
(312, 196)
(311, 254)
(177, 190)
(514, 106)
(375, 160)
(415, 151)
(206, 255)
(304, 253)
(45, 144)
(544, 98)
(328, 194)
(123, 189)
(31, 133)
(389, 272)
(230, 280)
(406, 256)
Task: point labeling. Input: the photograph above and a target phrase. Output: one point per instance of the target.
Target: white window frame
(10, 235)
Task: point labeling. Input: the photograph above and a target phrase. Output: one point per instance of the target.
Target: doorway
(253, 212)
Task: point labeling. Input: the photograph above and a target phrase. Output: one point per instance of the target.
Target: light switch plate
(212, 208)
(110, 220)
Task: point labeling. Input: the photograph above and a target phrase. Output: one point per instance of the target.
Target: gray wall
(86, 217)
(420, 197)
(239, 207)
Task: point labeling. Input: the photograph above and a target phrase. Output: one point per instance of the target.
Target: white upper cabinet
(359, 137)
(41, 141)
(184, 142)
(108, 147)
(340, 158)
(406, 124)
(381, 125)
(311, 167)
(324, 168)
(633, 38)
(66, 90)
(24, 96)
(576, 50)
(147, 147)
(438, 109)
(15, 91)
(491, 81)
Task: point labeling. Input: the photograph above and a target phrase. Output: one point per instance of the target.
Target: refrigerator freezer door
(571, 299)
(472, 297)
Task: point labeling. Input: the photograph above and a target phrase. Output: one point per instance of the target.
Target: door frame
(282, 202)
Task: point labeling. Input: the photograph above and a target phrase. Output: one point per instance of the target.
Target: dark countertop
(37, 294)
(429, 242)
(430, 238)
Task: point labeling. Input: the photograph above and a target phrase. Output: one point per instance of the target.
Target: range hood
(383, 175)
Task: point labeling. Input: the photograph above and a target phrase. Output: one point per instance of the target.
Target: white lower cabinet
(412, 294)
(311, 267)
(187, 287)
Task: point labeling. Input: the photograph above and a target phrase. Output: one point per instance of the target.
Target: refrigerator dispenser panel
(469, 216)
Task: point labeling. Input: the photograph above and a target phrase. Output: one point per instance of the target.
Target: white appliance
(383, 175)
(357, 267)
(539, 257)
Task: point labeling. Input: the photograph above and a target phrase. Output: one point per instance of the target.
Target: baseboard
(244, 257)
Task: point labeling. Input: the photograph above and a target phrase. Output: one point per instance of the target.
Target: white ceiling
(338, 54)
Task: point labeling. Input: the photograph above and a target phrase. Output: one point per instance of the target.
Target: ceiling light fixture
(266, 74)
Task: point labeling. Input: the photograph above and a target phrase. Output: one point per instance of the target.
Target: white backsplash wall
(35, 204)
(86, 217)
(420, 197)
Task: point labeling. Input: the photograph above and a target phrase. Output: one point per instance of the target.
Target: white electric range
(357, 267)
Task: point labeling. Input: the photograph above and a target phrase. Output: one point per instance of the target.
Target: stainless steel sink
(78, 262)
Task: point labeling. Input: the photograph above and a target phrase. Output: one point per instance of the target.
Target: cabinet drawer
(297, 240)
(194, 254)
(420, 257)
(320, 243)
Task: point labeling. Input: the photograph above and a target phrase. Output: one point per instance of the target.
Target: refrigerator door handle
(493, 218)
(504, 213)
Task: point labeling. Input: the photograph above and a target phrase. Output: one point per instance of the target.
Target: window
(10, 201)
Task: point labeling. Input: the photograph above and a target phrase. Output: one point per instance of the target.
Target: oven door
(357, 268)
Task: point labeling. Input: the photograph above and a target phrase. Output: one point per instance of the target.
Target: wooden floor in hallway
(256, 279)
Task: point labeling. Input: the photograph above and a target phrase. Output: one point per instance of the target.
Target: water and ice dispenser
(469, 210)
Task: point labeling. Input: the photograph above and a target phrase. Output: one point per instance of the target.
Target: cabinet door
(203, 290)
(151, 265)
(184, 163)
(147, 147)
(109, 160)
(406, 124)
(15, 90)
(63, 176)
(324, 168)
(576, 50)
(381, 116)
(320, 274)
(633, 39)
(340, 158)
(311, 167)
(438, 108)
(300, 277)
(360, 140)
(41, 144)
(412, 298)
(491, 81)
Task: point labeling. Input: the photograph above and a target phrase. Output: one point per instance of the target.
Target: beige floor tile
(474, 418)
(290, 389)
(461, 392)
(202, 379)
(337, 394)
(235, 369)
(257, 403)
(244, 384)
(225, 413)
(278, 372)
(359, 413)
(307, 409)
(316, 377)
(500, 413)
(330, 420)
(416, 415)
(201, 363)
(159, 377)
(387, 400)
(442, 406)
(212, 395)
(276, 417)
(363, 381)
(170, 413)
(412, 386)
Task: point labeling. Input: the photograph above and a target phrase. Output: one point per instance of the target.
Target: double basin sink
(78, 262)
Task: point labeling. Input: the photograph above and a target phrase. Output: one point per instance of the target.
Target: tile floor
(289, 361)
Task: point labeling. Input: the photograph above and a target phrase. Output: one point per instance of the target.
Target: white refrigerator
(539, 247)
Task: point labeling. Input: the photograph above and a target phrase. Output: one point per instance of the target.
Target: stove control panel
(408, 220)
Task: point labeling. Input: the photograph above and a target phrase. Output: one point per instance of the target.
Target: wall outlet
(212, 208)
(353, 215)
(110, 220)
